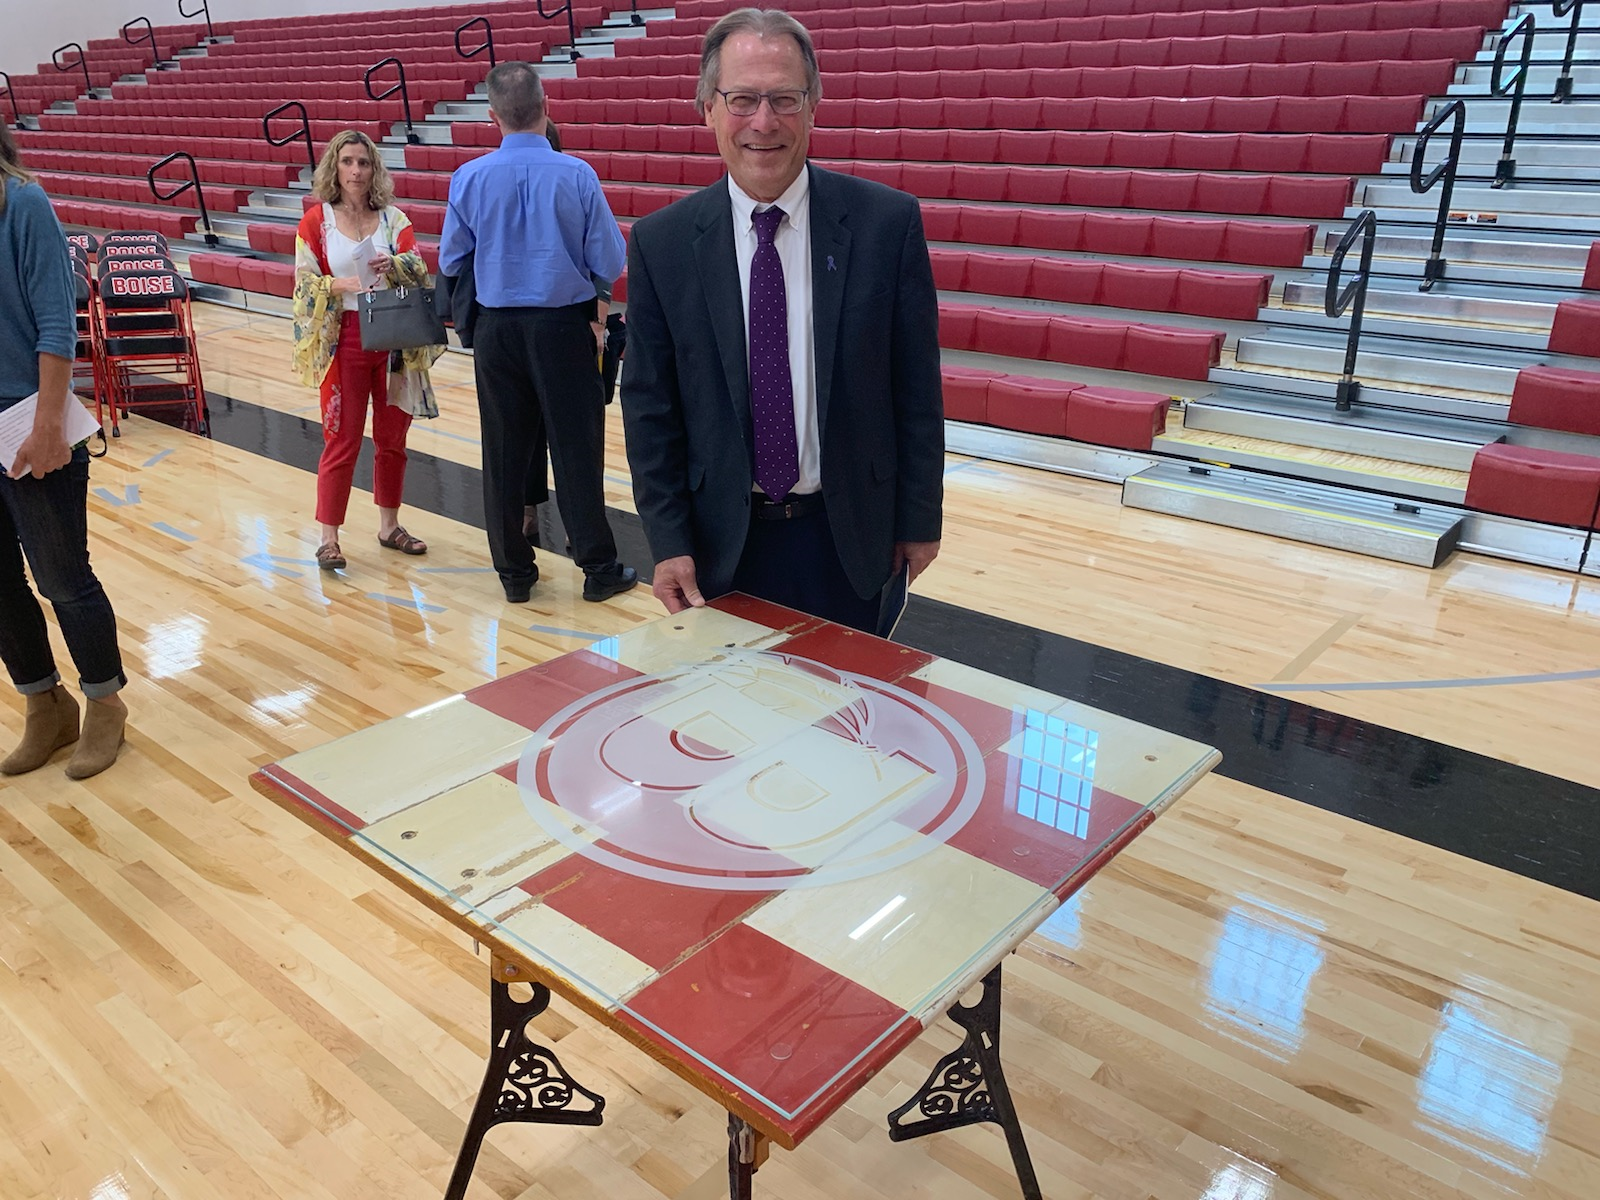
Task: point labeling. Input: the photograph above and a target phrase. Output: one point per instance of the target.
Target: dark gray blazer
(686, 389)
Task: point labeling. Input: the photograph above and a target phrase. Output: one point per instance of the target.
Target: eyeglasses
(785, 103)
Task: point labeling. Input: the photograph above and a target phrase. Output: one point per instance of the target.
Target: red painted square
(861, 653)
(529, 697)
(991, 725)
(765, 612)
(779, 1026)
(1055, 848)
(657, 923)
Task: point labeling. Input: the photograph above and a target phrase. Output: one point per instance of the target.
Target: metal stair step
(1265, 460)
(1424, 439)
(1380, 360)
(1482, 248)
(1415, 328)
(1457, 304)
(1567, 202)
(1421, 534)
(1323, 390)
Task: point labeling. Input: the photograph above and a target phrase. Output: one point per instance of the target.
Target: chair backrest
(150, 260)
(142, 289)
(86, 242)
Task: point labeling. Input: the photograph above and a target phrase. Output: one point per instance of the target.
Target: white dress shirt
(793, 244)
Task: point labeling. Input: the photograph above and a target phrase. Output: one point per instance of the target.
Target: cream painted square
(383, 770)
(981, 685)
(605, 973)
(1139, 763)
(809, 797)
(688, 637)
(910, 933)
(738, 707)
(475, 840)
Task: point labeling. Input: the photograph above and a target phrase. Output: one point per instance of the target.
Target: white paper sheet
(16, 423)
(364, 253)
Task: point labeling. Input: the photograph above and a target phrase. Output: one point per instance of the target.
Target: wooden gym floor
(1263, 999)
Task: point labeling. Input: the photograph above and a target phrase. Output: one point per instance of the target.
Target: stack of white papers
(16, 423)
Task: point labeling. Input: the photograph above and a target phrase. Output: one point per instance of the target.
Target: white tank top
(341, 254)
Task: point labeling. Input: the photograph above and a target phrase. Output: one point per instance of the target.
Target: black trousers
(795, 563)
(536, 366)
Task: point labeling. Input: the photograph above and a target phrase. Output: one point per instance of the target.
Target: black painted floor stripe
(1536, 825)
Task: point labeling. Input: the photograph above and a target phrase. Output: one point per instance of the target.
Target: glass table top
(766, 847)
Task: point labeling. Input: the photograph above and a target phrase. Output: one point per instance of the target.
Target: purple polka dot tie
(771, 388)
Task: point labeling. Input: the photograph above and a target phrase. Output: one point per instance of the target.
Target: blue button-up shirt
(539, 225)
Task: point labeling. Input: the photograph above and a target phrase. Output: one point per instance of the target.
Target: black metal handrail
(149, 35)
(304, 132)
(203, 11)
(572, 28)
(193, 182)
(1561, 8)
(1353, 295)
(400, 86)
(1455, 111)
(486, 44)
(82, 64)
(1505, 171)
(16, 113)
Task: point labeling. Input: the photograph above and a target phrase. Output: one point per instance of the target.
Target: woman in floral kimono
(357, 217)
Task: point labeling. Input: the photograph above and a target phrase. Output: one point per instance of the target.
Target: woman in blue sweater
(44, 495)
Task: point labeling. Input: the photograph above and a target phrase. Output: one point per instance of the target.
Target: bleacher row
(1062, 44)
(1024, 125)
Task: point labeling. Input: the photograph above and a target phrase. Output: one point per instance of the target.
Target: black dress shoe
(519, 591)
(606, 582)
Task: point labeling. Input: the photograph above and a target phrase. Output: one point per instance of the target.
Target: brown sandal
(329, 557)
(402, 541)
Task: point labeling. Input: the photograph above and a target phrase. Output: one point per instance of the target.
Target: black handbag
(400, 318)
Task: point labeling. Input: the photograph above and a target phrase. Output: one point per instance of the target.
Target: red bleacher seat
(1591, 273)
(1550, 398)
(1109, 416)
(1535, 485)
(1577, 328)
(1030, 405)
(966, 394)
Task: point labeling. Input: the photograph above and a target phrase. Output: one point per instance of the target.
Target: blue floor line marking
(155, 458)
(455, 570)
(455, 437)
(170, 531)
(1405, 684)
(559, 632)
(406, 602)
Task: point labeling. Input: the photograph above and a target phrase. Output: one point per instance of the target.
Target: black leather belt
(785, 510)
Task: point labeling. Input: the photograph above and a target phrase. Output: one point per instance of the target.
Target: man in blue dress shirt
(538, 231)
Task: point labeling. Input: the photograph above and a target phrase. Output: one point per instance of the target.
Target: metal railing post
(16, 113)
(82, 64)
(303, 132)
(1561, 8)
(1352, 297)
(203, 11)
(1505, 171)
(572, 26)
(149, 35)
(1455, 111)
(400, 86)
(486, 44)
(193, 182)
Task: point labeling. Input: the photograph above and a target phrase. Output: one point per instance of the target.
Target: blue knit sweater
(38, 311)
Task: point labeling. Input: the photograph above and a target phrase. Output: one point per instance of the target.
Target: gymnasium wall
(33, 28)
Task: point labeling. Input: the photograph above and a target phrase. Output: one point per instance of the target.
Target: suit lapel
(719, 278)
(830, 260)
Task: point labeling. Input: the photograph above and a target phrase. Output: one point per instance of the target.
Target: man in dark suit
(781, 390)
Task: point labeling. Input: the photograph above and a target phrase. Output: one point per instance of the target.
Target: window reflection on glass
(1056, 781)
(1241, 1181)
(606, 648)
(1489, 1087)
(1261, 973)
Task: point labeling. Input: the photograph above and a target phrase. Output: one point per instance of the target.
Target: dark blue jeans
(48, 520)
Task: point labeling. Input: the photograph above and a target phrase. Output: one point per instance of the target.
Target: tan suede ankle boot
(103, 735)
(52, 724)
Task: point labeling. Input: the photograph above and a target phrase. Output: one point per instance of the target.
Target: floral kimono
(317, 310)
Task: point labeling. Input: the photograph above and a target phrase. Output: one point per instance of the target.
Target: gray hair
(764, 23)
(516, 94)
